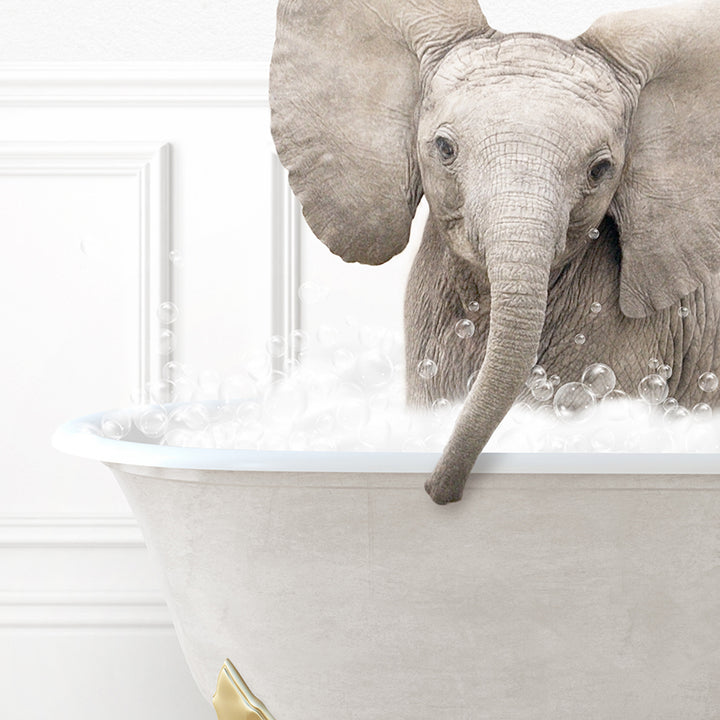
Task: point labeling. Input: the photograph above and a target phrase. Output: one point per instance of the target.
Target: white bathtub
(561, 587)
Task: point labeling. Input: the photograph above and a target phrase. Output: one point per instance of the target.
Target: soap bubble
(322, 444)
(603, 440)
(543, 391)
(578, 443)
(574, 401)
(474, 306)
(152, 420)
(554, 380)
(376, 434)
(176, 258)
(183, 389)
(343, 360)
(580, 339)
(116, 424)
(671, 402)
(208, 385)
(273, 440)
(352, 414)
(298, 342)
(248, 412)
(174, 370)
(276, 346)
(679, 418)
(471, 380)
(595, 308)
(327, 336)
(167, 313)
(653, 364)
(324, 423)
(704, 438)
(599, 378)
(683, 312)
(708, 382)
(665, 372)
(414, 444)
(441, 407)
(193, 416)
(702, 411)
(375, 369)
(615, 405)
(285, 401)
(166, 342)
(239, 386)
(88, 428)
(178, 437)
(436, 441)
(536, 376)
(427, 369)
(653, 389)
(257, 365)
(465, 328)
(248, 435)
(312, 293)
(220, 412)
(138, 395)
(298, 441)
(593, 233)
(371, 336)
(161, 391)
(379, 402)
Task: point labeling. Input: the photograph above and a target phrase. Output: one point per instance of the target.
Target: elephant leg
(442, 291)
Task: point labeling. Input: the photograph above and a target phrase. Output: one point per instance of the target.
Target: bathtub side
(353, 596)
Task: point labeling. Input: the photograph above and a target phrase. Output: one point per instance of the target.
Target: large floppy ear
(667, 206)
(345, 81)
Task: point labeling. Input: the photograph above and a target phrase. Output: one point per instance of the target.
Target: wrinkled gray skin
(522, 144)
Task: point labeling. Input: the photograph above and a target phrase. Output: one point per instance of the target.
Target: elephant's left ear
(667, 206)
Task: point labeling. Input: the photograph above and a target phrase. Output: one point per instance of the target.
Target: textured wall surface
(194, 30)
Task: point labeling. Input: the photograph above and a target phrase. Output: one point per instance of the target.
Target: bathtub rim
(72, 438)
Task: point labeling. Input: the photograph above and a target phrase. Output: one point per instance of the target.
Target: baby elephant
(573, 187)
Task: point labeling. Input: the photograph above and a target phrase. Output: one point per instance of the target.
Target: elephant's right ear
(345, 82)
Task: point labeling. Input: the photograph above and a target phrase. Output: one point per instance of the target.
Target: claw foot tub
(562, 586)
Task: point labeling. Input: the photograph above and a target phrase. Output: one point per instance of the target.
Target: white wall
(97, 98)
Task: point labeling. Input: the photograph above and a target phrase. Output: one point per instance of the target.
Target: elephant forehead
(526, 62)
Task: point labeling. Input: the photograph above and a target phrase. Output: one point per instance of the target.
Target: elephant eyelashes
(599, 170)
(446, 148)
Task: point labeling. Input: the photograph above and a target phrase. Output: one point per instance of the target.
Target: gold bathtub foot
(233, 699)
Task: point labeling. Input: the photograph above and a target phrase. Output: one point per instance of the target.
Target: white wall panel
(85, 231)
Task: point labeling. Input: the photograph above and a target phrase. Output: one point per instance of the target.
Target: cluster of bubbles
(593, 414)
(342, 389)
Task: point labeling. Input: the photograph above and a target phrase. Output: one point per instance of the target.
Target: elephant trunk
(520, 244)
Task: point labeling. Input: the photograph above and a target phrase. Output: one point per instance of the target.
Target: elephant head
(522, 145)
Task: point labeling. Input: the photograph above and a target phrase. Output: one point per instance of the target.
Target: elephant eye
(599, 170)
(446, 148)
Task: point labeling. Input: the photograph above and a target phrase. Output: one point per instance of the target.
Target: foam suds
(343, 390)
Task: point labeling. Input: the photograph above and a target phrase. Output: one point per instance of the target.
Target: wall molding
(149, 164)
(134, 83)
(70, 531)
(77, 610)
(287, 222)
(69, 608)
